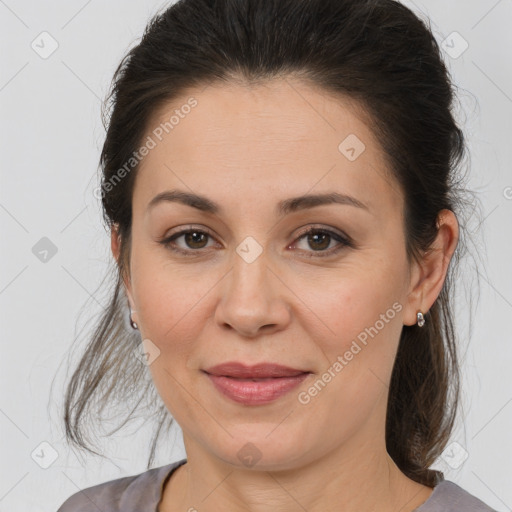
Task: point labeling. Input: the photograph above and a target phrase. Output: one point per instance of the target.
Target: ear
(115, 245)
(428, 275)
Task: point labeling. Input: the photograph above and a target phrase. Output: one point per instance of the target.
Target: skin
(247, 148)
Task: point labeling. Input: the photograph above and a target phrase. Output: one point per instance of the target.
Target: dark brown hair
(375, 52)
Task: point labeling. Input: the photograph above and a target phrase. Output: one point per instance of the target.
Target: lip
(257, 384)
(256, 371)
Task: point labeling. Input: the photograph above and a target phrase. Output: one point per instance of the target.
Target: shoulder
(137, 493)
(450, 497)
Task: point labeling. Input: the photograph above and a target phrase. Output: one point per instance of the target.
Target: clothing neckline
(169, 469)
(167, 473)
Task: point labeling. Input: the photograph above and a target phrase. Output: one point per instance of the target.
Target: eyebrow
(284, 207)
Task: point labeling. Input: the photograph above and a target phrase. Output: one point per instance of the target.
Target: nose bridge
(250, 269)
(250, 299)
(250, 276)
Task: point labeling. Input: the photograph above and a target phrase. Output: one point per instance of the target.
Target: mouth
(254, 385)
(257, 372)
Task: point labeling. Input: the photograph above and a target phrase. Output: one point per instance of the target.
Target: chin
(261, 452)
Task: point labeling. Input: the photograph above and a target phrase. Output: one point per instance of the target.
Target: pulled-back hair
(375, 52)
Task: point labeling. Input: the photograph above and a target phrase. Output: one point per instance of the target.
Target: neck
(336, 481)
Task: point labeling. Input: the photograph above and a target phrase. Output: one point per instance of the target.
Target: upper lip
(261, 370)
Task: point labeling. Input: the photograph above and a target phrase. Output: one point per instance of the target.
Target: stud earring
(420, 319)
(132, 323)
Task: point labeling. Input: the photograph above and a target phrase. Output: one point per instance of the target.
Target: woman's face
(251, 287)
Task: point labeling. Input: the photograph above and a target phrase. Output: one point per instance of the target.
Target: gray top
(143, 492)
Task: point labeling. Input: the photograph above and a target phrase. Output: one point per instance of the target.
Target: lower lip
(248, 392)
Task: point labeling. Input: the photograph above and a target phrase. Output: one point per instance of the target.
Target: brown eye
(193, 241)
(320, 240)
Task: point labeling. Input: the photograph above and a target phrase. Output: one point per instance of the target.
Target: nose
(253, 299)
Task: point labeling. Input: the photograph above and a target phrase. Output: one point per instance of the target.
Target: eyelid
(319, 227)
(343, 240)
(181, 231)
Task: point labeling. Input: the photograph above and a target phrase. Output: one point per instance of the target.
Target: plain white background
(51, 139)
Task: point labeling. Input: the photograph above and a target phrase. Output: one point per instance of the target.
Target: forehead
(281, 136)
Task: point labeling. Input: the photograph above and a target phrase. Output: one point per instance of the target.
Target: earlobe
(115, 245)
(130, 298)
(114, 241)
(133, 311)
(430, 273)
(415, 298)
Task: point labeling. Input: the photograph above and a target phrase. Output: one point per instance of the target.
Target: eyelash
(344, 241)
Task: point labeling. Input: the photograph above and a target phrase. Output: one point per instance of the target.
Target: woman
(278, 180)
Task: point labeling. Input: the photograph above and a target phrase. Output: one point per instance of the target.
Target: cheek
(359, 349)
(172, 313)
(359, 307)
(171, 306)
(360, 330)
